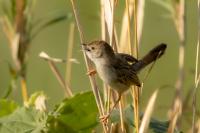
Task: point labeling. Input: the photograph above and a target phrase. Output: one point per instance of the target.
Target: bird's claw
(104, 118)
(91, 72)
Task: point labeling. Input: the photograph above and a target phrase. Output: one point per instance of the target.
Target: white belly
(108, 75)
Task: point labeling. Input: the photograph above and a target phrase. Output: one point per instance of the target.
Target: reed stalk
(180, 22)
(69, 53)
(89, 67)
(197, 76)
(136, 92)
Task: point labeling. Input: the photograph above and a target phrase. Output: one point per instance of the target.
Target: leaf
(77, 114)
(13, 81)
(23, 120)
(45, 22)
(7, 107)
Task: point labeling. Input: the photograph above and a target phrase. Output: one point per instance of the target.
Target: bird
(119, 70)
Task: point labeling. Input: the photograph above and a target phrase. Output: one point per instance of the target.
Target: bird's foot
(104, 118)
(91, 72)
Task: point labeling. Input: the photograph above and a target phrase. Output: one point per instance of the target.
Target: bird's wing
(125, 73)
(127, 57)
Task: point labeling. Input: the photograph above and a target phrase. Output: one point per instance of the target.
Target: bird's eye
(92, 48)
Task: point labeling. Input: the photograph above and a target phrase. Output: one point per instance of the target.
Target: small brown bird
(119, 70)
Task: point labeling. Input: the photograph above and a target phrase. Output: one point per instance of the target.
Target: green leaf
(23, 120)
(7, 107)
(77, 114)
(13, 81)
(47, 21)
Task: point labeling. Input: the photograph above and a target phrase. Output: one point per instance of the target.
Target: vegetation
(80, 112)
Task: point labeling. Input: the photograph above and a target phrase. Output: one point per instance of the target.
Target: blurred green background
(158, 28)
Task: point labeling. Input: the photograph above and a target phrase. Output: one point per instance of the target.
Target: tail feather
(153, 55)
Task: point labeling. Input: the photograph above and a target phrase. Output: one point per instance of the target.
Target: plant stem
(69, 53)
(88, 65)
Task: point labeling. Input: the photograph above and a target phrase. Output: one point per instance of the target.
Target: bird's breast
(108, 75)
(106, 72)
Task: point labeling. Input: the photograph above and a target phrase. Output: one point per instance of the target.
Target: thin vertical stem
(129, 32)
(24, 90)
(88, 65)
(62, 82)
(196, 80)
(20, 29)
(135, 28)
(69, 53)
(140, 19)
(176, 110)
(135, 88)
(121, 117)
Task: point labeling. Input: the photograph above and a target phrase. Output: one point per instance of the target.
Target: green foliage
(78, 114)
(23, 120)
(48, 20)
(7, 107)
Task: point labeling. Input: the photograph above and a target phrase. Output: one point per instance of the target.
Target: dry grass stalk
(121, 117)
(176, 110)
(140, 18)
(129, 27)
(109, 10)
(148, 113)
(69, 53)
(89, 66)
(196, 128)
(136, 92)
(57, 74)
(196, 78)
(103, 26)
(109, 7)
(124, 29)
(135, 48)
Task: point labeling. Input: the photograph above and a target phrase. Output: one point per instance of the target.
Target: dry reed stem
(57, 74)
(88, 65)
(140, 19)
(103, 26)
(136, 91)
(60, 79)
(69, 53)
(24, 90)
(20, 28)
(196, 82)
(176, 110)
(113, 41)
(121, 117)
(129, 25)
(135, 96)
(135, 29)
(124, 28)
(109, 20)
(148, 112)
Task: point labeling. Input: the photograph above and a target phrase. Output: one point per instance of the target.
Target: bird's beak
(84, 46)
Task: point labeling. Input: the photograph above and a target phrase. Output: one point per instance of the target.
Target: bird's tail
(153, 55)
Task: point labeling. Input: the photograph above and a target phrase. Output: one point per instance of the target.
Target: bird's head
(98, 49)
